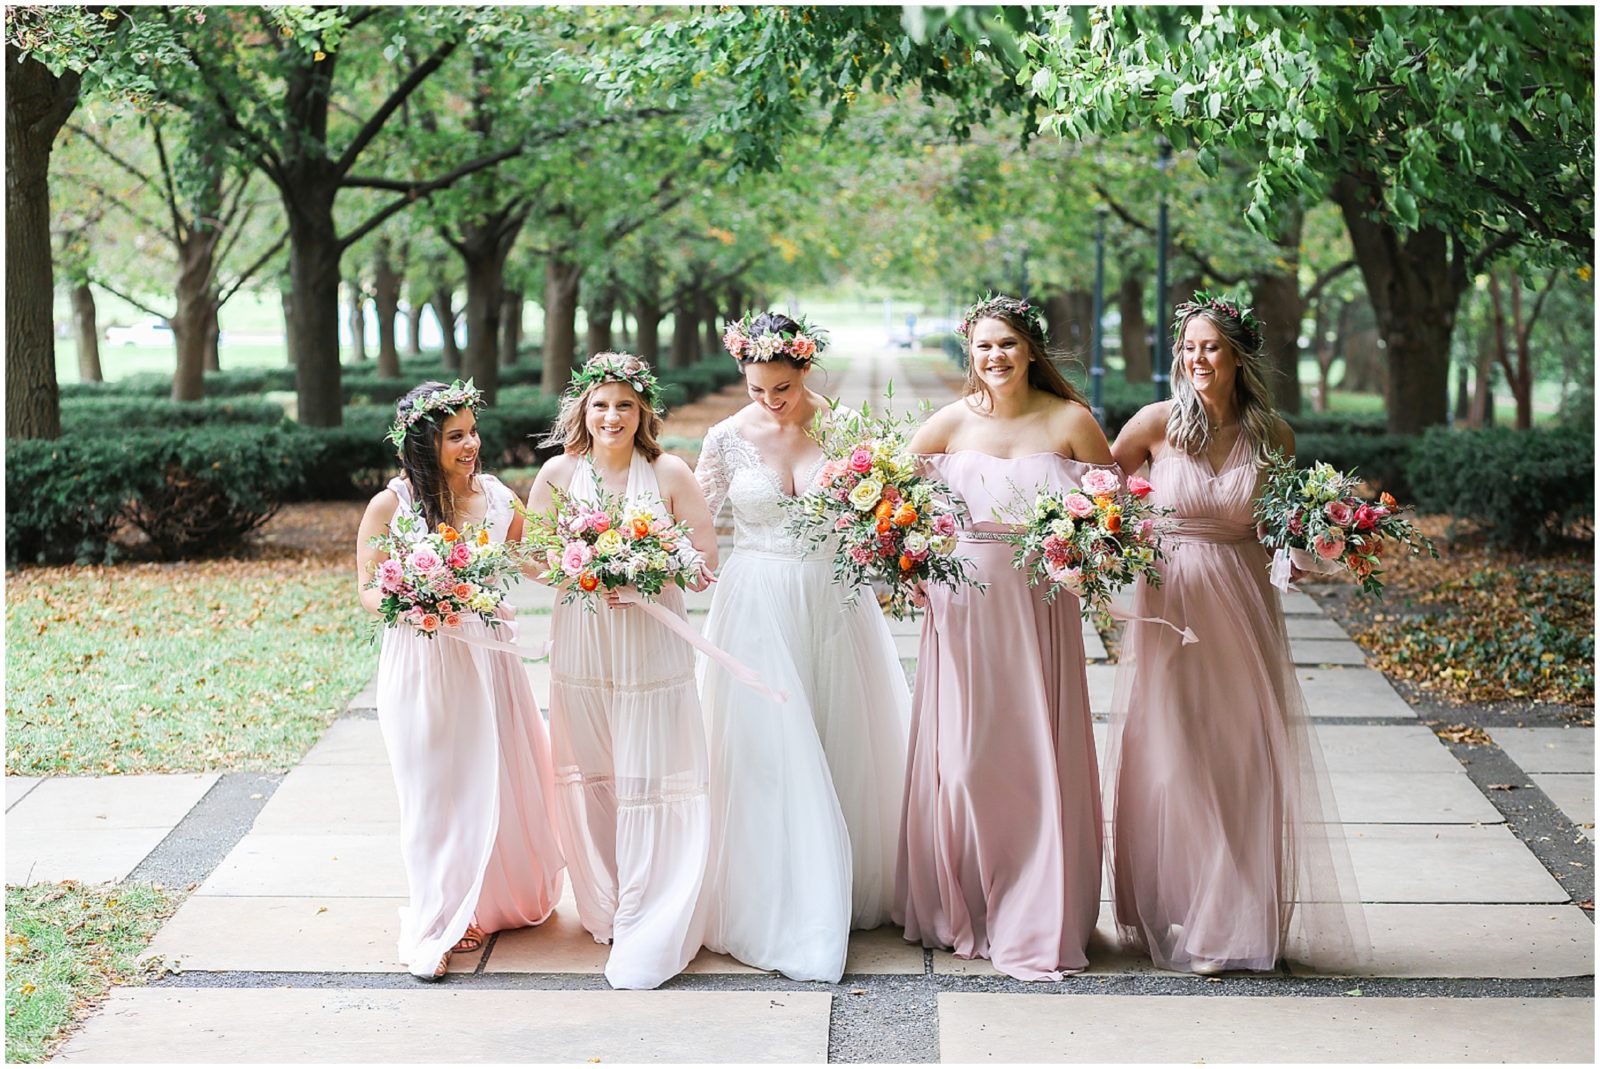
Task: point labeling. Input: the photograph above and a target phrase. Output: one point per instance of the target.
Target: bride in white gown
(805, 795)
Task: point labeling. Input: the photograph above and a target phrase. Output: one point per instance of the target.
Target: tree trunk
(647, 313)
(562, 273)
(486, 268)
(446, 315)
(1415, 285)
(356, 321)
(707, 311)
(510, 327)
(414, 327)
(286, 295)
(1463, 405)
(1481, 411)
(1057, 319)
(211, 332)
(685, 333)
(37, 104)
(1134, 333)
(1279, 306)
(88, 333)
(195, 298)
(600, 312)
(386, 283)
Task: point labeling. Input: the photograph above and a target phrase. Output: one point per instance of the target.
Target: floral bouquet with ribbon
(891, 524)
(1090, 542)
(589, 548)
(435, 580)
(1314, 519)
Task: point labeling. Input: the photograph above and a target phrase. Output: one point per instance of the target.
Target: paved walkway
(285, 947)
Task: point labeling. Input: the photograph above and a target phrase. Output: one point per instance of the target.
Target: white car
(152, 332)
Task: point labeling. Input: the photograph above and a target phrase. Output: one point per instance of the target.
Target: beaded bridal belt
(985, 536)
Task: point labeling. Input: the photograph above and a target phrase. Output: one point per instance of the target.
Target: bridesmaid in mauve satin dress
(1000, 844)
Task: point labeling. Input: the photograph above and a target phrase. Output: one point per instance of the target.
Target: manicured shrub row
(358, 383)
(112, 414)
(1522, 488)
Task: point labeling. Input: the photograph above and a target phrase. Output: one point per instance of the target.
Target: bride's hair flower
(772, 336)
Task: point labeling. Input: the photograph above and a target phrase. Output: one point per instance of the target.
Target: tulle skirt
(805, 794)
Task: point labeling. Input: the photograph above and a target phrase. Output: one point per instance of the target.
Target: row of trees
(680, 162)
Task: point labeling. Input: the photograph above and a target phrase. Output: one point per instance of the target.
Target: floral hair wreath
(1030, 314)
(613, 367)
(1233, 311)
(452, 398)
(801, 345)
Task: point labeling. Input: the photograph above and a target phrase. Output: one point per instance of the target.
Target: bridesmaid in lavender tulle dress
(1000, 842)
(1226, 848)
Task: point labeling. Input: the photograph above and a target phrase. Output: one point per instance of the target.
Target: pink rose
(574, 557)
(1297, 523)
(891, 494)
(424, 560)
(1138, 487)
(1147, 528)
(452, 619)
(552, 557)
(429, 622)
(944, 524)
(460, 555)
(861, 460)
(461, 591)
(659, 526)
(1079, 505)
(1366, 518)
(1340, 513)
(414, 616)
(391, 576)
(599, 522)
(844, 521)
(803, 347)
(1329, 546)
(1071, 579)
(1100, 481)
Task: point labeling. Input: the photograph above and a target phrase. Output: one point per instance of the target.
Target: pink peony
(1079, 506)
(1366, 518)
(1329, 546)
(861, 460)
(424, 560)
(1101, 481)
(944, 524)
(1138, 487)
(1340, 513)
(460, 556)
(391, 576)
(574, 557)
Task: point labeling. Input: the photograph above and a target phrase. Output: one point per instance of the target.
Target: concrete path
(285, 950)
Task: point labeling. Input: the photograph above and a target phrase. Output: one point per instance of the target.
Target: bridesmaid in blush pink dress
(1000, 841)
(1227, 852)
(460, 724)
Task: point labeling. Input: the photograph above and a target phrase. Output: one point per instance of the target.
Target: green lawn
(178, 667)
(67, 944)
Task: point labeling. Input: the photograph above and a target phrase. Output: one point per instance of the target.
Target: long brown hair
(571, 432)
(1188, 428)
(419, 458)
(1042, 371)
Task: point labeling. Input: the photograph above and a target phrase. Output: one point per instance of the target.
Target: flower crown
(452, 398)
(1030, 314)
(1236, 313)
(801, 346)
(612, 367)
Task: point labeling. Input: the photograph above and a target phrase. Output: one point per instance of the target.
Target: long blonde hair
(1188, 427)
(1042, 371)
(571, 431)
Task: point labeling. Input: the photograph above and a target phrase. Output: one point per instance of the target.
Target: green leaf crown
(451, 399)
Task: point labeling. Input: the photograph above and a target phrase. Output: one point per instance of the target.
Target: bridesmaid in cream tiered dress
(1000, 852)
(630, 751)
(460, 723)
(1227, 852)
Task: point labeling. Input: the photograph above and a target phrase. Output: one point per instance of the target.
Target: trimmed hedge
(1380, 459)
(359, 383)
(1521, 488)
(96, 415)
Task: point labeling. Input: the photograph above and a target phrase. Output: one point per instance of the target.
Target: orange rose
(588, 581)
(885, 510)
(884, 526)
(483, 537)
(905, 516)
(462, 591)
(1114, 522)
(906, 563)
(640, 528)
(450, 533)
(1386, 499)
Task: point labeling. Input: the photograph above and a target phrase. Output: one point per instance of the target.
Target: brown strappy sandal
(472, 940)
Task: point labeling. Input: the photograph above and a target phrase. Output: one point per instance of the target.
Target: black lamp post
(1097, 361)
(1158, 358)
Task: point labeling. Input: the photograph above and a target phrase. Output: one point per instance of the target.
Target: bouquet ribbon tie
(1185, 633)
(484, 642)
(680, 627)
(1309, 563)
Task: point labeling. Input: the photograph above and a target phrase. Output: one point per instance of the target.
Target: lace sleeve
(711, 471)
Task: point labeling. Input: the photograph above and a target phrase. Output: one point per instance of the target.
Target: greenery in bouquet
(607, 544)
(1089, 542)
(435, 579)
(1316, 516)
(887, 522)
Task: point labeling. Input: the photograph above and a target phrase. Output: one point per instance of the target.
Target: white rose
(866, 494)
(916, 543)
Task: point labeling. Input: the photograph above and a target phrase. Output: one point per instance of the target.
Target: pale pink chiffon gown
(1000, 840)
(471, 764)
(1226, 848)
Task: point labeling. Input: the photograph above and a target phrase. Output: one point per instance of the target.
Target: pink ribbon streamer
(483, 641)
(680, 627)
(1188, 635)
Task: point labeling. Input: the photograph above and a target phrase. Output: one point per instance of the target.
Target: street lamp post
(1158, 358)
(1097, 361)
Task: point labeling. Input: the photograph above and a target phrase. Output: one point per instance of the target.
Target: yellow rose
(609, 542)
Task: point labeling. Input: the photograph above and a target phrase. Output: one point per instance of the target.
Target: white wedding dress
(805, 795)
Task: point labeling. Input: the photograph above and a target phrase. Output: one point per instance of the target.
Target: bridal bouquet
(589, 547)
(1314, 519)
(892, 524)
(433, 580)
(1089, 542)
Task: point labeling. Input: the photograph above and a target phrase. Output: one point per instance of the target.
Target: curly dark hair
(419, 459)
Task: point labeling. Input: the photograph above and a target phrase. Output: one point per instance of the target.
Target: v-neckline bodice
(807, 474)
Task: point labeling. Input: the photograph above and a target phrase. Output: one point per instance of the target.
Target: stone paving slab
(346, 799)
(1573, 792)
(1315, 651)
(1106, 955)
(212, 933)
(74, 803)
(1323, 627)
(1411, 798)
(1548, 749)
(1296, 603)
(1474, 941)
(90, 855)
(1383, 748)
(1446, 863)
(17, 788)
(349, 741)
(344, 866)
(425, 1024)
(1351, 692)
(1124, 1029)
